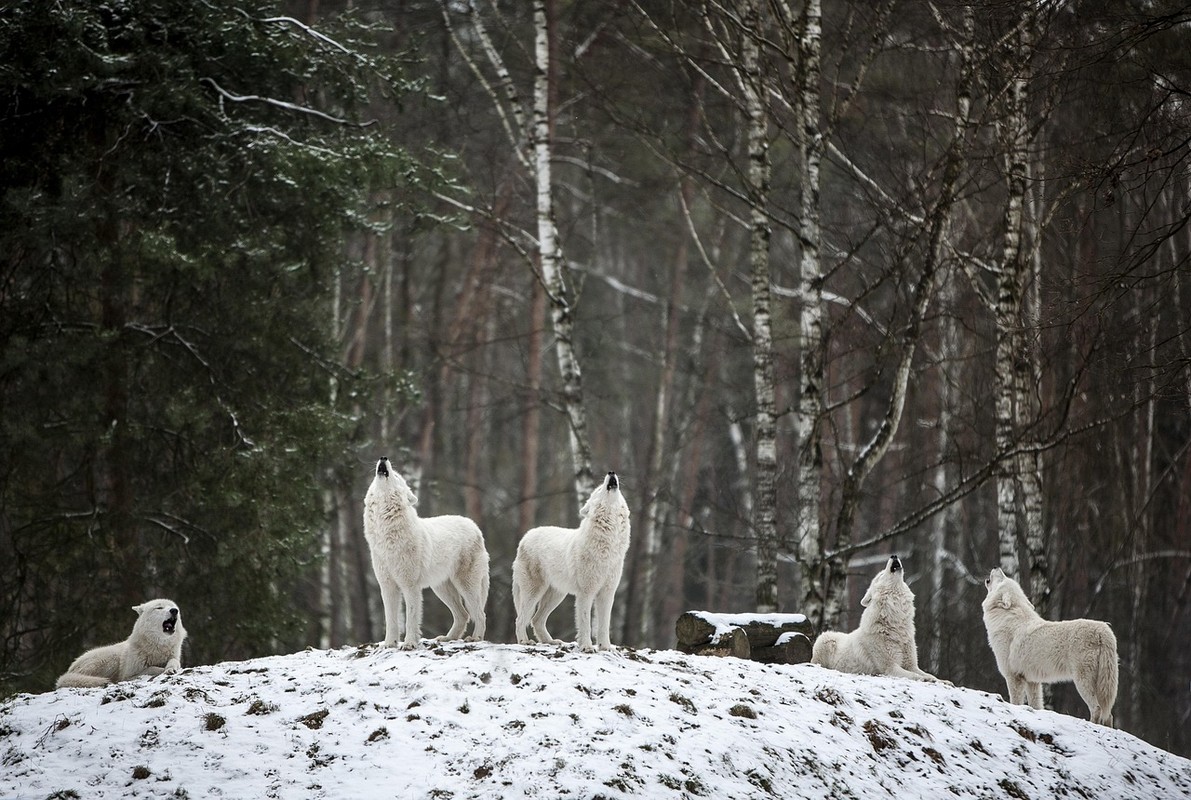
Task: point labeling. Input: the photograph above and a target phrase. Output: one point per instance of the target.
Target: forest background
(821, 282)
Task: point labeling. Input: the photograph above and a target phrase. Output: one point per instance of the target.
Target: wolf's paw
(607, 647)
(587, 648)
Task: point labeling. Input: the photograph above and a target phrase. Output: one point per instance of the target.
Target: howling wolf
(884, 642)
(409, 553)
(586, 561)
(154, 647)
(1031, 651)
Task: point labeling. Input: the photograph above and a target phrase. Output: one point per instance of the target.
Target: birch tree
(551, 258)
(533, 143)
(810, 317)
(1019, 479)
(765, 428)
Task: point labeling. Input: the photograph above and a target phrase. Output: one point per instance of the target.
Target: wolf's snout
(613, 483)
(382, 467)
(895, 563)
(171, 622)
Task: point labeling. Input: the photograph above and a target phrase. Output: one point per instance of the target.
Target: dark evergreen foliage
(177, 177)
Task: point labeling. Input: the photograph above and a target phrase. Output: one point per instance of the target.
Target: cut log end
(765, 638)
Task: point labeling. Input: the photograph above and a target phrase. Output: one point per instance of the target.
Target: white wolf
(586, 561)
(446, 553)
(883, 644)
(1031, 651)
(154, 647)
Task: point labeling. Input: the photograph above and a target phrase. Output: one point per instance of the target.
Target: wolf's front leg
(391, 598)
(901, 672)
(413, 619)
(1017, 690)
(603, 617)
(583, 602)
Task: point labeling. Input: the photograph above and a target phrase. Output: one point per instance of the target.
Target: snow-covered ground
(505, 721)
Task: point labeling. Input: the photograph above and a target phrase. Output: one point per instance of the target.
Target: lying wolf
(883, 644)
(154, 647)
(1031, 651)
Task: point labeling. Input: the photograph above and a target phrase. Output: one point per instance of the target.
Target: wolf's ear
(411, 498)
(583, 512)
(139, 609)
(1004, 601)
(868, 598)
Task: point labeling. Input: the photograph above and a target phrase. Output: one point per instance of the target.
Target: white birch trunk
(1028, 380)
(944, 522)
(551, 264)
(765, 427)
(810, 324)
(1010, 287)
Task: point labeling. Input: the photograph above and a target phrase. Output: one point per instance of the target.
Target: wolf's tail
(80, 680)
(1106, 676)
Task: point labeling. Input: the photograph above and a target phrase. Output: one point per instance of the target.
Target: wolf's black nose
(612, 482)
(382, 467)
(173, 613)
(895, 563)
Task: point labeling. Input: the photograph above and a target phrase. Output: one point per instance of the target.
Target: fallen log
(768, 638)
(790, 648)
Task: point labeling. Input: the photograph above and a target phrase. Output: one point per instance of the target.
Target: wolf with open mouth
(155, 647)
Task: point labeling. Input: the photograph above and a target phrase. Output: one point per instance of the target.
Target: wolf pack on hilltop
(447, 554)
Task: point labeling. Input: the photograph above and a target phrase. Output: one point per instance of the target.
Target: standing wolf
(586, 561)
(154, 647)
(883, 644)
(409, 553)
(1031, 651)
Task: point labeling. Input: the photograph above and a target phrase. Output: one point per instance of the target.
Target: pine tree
(177, 178)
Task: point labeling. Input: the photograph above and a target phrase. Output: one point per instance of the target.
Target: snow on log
(767, 638)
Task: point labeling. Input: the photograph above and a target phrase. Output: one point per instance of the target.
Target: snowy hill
(495, 721)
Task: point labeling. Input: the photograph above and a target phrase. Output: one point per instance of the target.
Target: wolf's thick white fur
(883, 644)
(154, 647)
(1031, 651)
(409, 553)
(553, 562)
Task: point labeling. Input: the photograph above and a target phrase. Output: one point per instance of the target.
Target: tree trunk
(810, 322)
(551, 255)
(1028, 388)
(765, 428)
(1010, 287)
(531, 423)
(652, 519)
(949, 353)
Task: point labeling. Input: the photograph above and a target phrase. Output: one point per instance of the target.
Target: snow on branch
(322, 37)
(254, 98)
